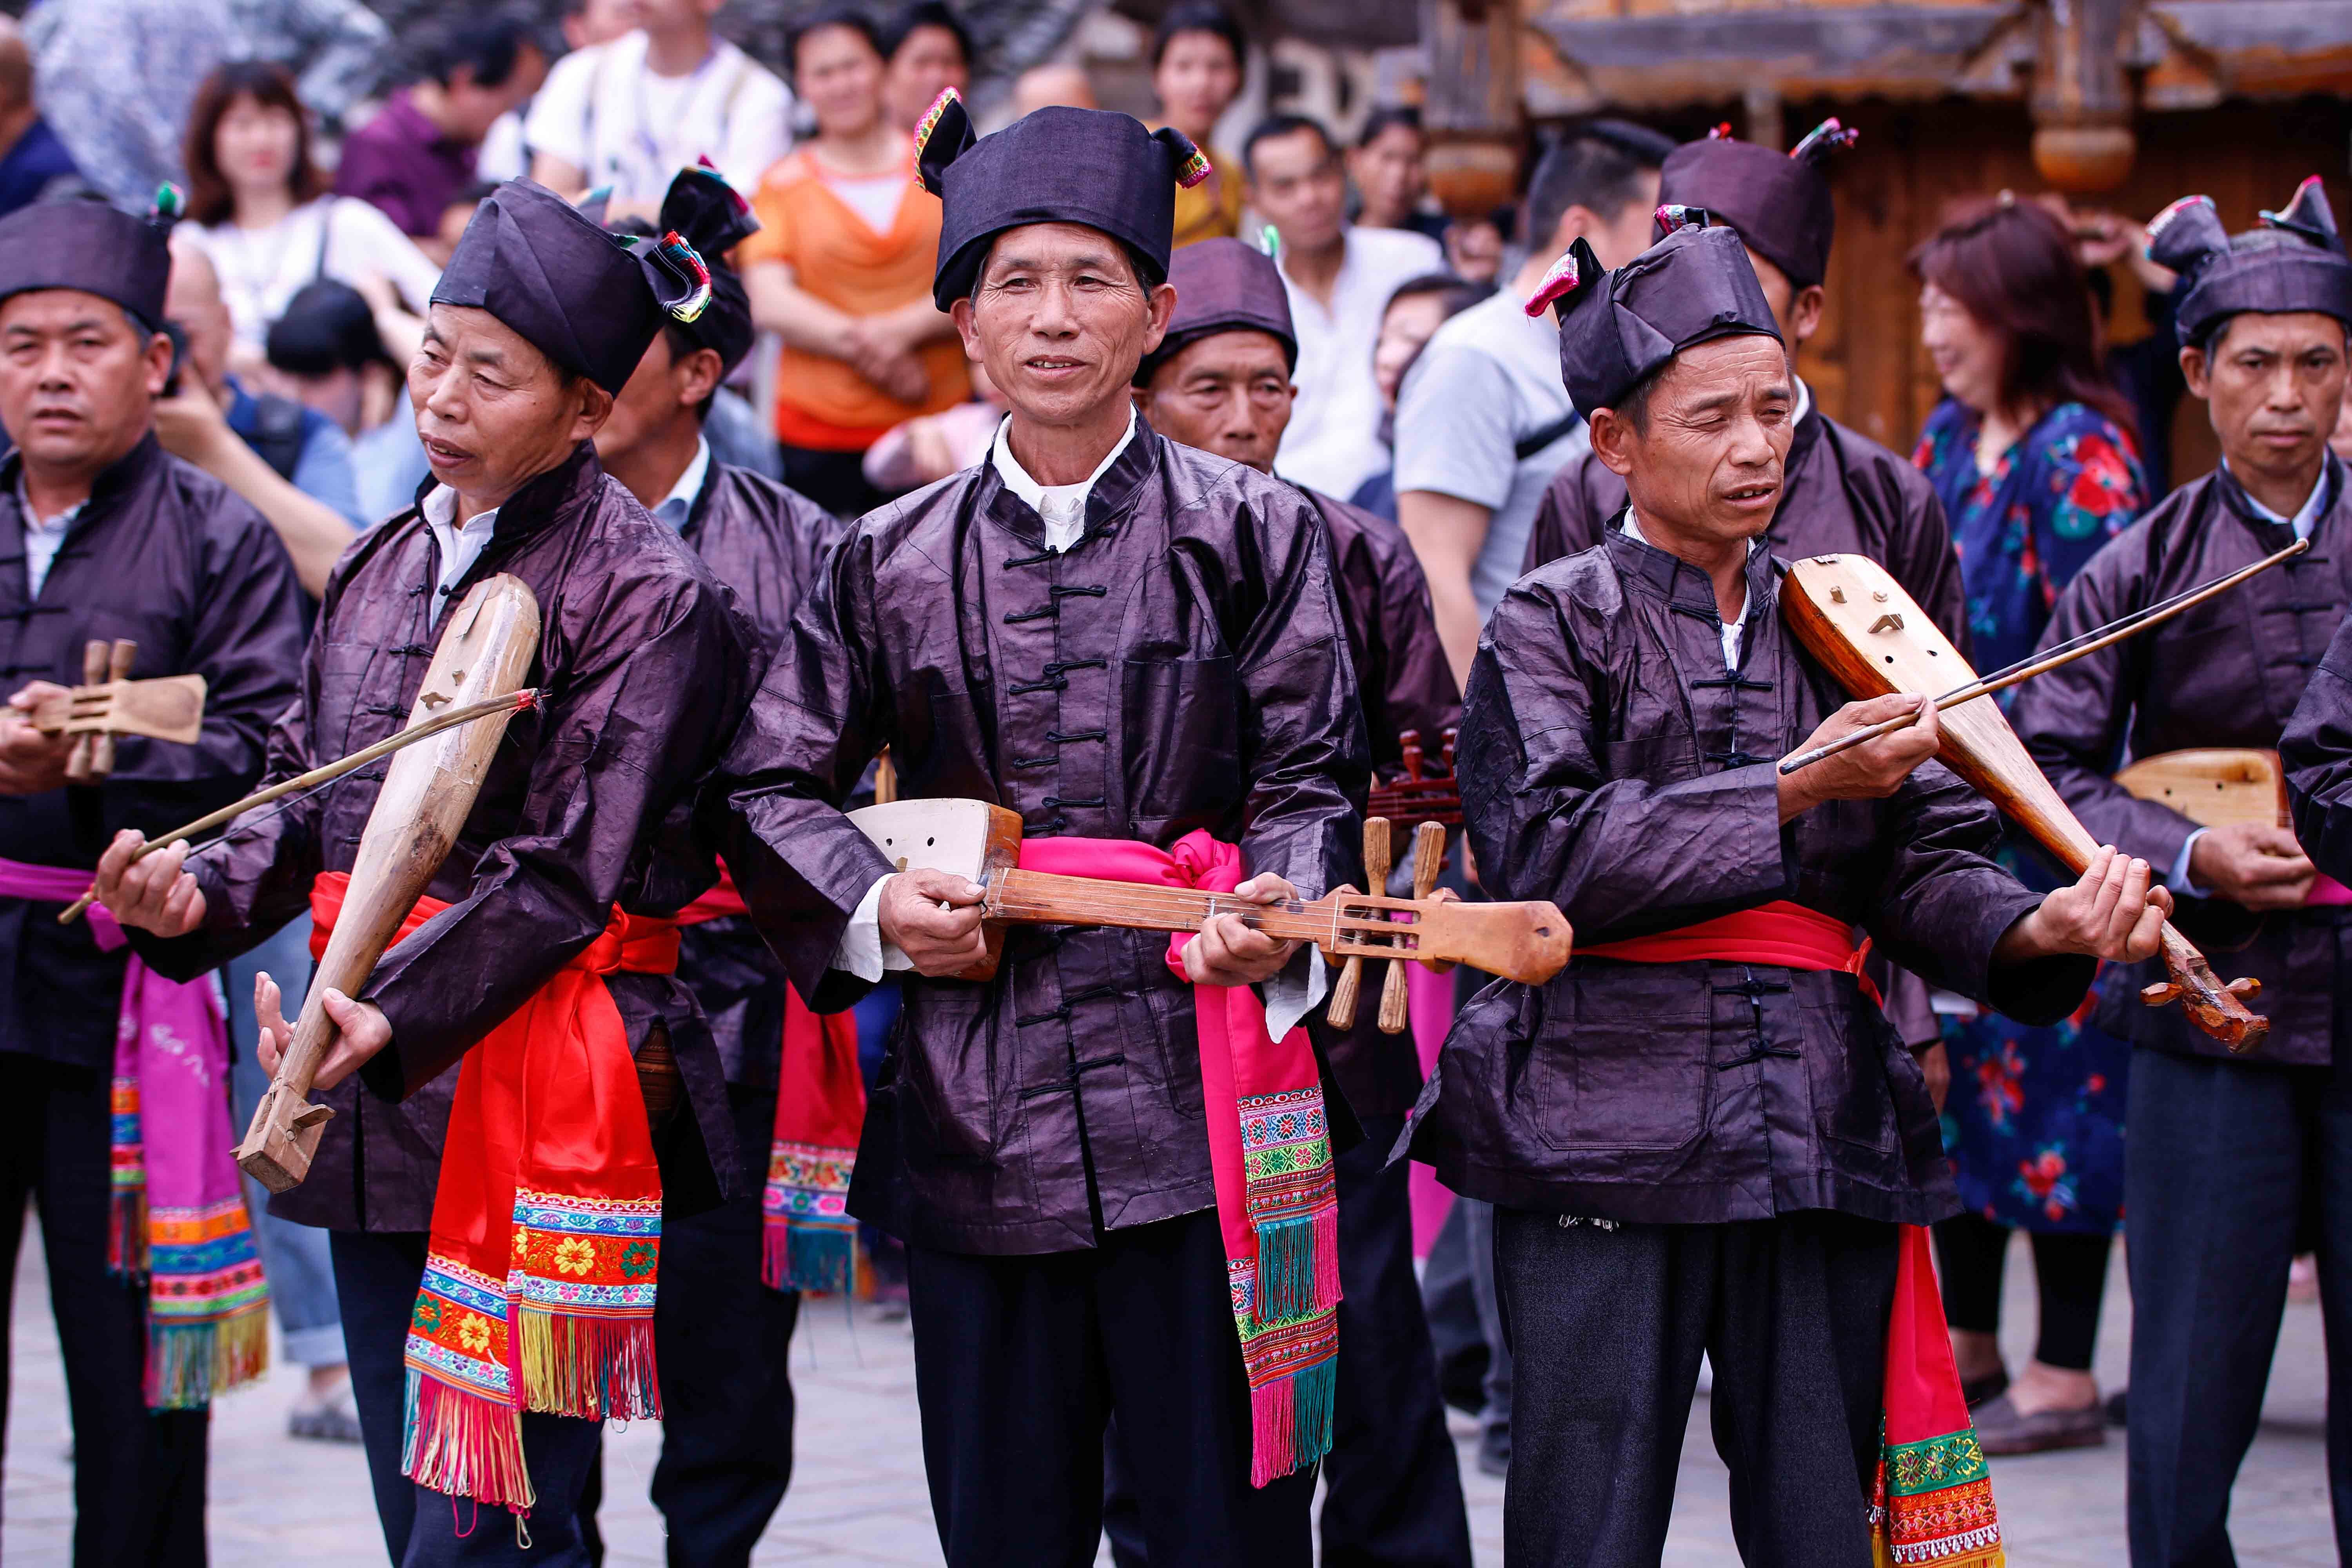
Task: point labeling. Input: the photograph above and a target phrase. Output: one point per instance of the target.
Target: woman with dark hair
(1199, 55)
(840, 269)
(2031, 454)
(1385, 165)
(930, 50)
(260, 211)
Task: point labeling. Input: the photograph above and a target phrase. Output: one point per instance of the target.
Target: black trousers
(2070, 1277)
(1606, 1329)
(722, 1342)
(1393, 1486)
(1020, 1364)
(376, 1276)
(139, 1475)
(2229, 1163)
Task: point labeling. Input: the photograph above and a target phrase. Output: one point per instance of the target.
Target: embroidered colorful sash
(1932, 1502)
(808, 1240)
(177, 1219)
(1270, 1156)
(538, 1279)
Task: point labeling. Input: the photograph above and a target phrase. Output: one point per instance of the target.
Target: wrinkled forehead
(1734, 368)
(469, 334)
(50, 310)
(1057, 248)
(2281, 332)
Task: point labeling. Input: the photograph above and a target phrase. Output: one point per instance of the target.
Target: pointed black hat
(98, 249)
(1616, 328)
(1086, 166)
(1779, 205)
(708, 214)
(1223, 286)
(2294, 261)
(589, 301)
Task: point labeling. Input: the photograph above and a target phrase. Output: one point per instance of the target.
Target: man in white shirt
(1483, 422)
(1339, 277)
(630, 113)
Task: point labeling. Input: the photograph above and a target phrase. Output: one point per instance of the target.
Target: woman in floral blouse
(2030, 456)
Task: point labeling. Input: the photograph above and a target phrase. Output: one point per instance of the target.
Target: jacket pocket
(1607, 1072)
(1849, 1050)
(1183, 721)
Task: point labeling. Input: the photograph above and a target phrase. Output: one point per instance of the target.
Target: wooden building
(2124, 103)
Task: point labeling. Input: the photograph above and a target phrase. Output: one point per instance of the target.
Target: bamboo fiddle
(1859, 622)
(428, 791)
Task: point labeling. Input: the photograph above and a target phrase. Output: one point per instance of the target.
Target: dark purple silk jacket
(1611, 765)
(647, 668)
(1406, 684)
(1183, 665)
(2228, 673)
(765, 543)
(168, 556)
(1845, 492)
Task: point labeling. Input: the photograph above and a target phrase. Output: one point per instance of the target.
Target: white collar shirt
(1734, 632)
(677, 507)
(44, 536)
(1333, 441)
(2315, 505)
(461, 545)
(1064, 507)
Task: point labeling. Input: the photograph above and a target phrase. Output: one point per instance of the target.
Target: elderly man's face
(1060, 321)
(491, 410)
(1229, 394)
(1704, 462)
(77, 380)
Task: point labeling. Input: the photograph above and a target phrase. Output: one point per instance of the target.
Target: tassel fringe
(1298, 1265)
(596, 1368)
(1290, 1421)
(464, 1444)
(803, 1257)
(126, 1232)
(188, 1363)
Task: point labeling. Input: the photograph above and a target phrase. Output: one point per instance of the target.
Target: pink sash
(178, 1215)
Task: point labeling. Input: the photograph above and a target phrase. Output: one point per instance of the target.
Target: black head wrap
(1617, 328)
(708, 213)
(1779, 205)
(2294, 261)
(1052, 165)
(98, 249)
(1223, 286)
(589, 301)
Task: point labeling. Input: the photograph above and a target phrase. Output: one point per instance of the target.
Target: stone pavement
(858, 1498)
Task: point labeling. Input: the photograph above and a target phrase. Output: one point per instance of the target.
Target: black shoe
(1991, 1386)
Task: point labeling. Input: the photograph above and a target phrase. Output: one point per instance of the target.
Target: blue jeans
(294, 1257)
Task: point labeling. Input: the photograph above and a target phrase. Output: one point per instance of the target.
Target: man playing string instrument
(2227, 1158)
(1702, 1136)
(541, 956)
(1136, 647)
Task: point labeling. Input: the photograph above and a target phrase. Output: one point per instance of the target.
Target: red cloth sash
(538, 1279)
(808, 1242)
(1933, 1500)
(1269, 1156)
(1780, 934)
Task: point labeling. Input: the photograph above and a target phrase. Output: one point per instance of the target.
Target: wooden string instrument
(1859, 622)
(109, 703)
(485, 652)
(1421, 794)
(981, 842)
(2214, 787)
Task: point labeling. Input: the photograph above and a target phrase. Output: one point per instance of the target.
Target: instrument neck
(1042, 898)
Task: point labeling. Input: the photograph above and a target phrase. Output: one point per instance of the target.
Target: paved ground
(858, 1495)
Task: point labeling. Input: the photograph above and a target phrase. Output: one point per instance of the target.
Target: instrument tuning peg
(1428, 860)
(1341, 1013)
